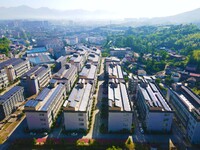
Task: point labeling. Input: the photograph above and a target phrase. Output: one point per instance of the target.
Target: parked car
(74, 134)
(141, 130)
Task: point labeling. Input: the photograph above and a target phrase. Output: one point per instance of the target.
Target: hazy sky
(126, 8)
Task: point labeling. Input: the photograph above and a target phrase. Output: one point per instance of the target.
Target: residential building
(141, 72)
(36, 79)
(111, 60)
(9, 101)
(15, 68)
(93, 59)
(89, 73)
(77, 109)
(60, 62)
(3, 79)
(155, 112)
(42, 111)
(115, 72)
(187, 109)
(78, 61)
(67, 75)
(120, 112)
(119, 52)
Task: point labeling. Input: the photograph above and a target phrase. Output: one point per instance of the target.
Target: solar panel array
(194, 97)
(11, 92)
(43, 94)
(153, 97)
(31, 103)
(57, 91)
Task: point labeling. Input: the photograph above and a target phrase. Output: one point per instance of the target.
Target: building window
(81, 124)
(166, 119)
(43, 124)
(80, 114)
(166, 114)
(42, 119)
(41, 114)
(81, 119)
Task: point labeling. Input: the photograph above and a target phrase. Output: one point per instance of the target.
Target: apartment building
(93, 59)
(119, 52)
(15, 68)
(120, 113)
(187, 109)
(67, 75)
(3, 79)
(112, 60)
(36, 79)
(42, 111)
(77, 109)
(78, 61)
(114, 71)
(89, 73)
(155, 112)
(9, 101)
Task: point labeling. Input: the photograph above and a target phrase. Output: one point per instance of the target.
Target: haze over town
(121, 8)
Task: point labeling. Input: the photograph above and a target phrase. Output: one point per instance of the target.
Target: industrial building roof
(88, 72)
(118, 96)
(11, 61)
(37, 71)
(153, 97)
(65, 72)
(10, 93)
(115, 71)
(79, 97)
(46, 98)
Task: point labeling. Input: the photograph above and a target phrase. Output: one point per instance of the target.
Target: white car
(74, 134)
(141, 130)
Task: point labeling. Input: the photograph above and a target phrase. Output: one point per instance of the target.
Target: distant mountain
(25, 12)
(186, 17)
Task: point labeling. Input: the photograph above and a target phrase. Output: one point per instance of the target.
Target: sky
(124, 8)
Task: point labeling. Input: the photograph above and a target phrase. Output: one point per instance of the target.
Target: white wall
(119, 120)
(72, 120)
(36, 120)
(159, 121)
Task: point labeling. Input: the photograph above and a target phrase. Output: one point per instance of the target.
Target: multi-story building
(119, 52)
(93, 59)
(77, 109)
(67, 75)
(187, 109)
(89, 73)
(114, 71)
(36, 79)
(9, 100)
(3, 79)
(111, 60)
(120, 113)
(155, 113)
(42, 111)
(60, 62)
(78, 61)
(15, 67)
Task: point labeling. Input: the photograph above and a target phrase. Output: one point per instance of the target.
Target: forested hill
(180, 38)
(4, 46)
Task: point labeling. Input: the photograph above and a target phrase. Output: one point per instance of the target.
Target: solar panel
(31, 103)
(85, 98)
(11, 92)
(125, 97)
(43, 94)
(53, 96)
(153, 87)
